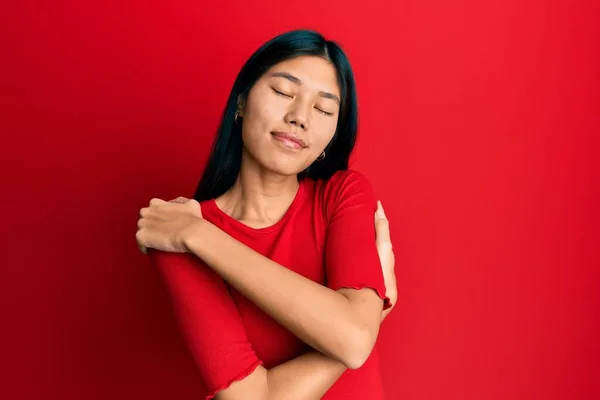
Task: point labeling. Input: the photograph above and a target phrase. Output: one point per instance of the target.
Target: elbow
(358, 349)
(354, 362)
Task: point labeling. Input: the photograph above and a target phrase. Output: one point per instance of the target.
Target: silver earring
(321, 156)
(236, 116)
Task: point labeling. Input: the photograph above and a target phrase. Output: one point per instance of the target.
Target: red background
(479, 131)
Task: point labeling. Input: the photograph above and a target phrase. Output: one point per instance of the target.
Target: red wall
(480, 125)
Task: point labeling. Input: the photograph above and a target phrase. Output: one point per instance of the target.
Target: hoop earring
(321, 156)
(236, 116)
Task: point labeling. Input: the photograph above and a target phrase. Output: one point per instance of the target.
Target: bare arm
(306, 377)
(342, 324)
(341, 320)
(312, 374)
(215, 334)
(320, 372)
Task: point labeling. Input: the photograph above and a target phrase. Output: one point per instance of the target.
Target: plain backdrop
(479, 131)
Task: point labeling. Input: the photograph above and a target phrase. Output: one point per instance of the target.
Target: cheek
(325, 132)
(256, 122)
(263, 110)
(257, 125)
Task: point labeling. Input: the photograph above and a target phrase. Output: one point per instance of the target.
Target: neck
(259, 197)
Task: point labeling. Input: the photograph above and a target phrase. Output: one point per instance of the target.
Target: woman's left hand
(163, 225)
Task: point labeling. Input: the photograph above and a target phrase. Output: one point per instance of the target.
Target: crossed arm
(212, 327)
(340, 321)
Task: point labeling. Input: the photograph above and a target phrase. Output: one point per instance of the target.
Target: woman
(274, 268)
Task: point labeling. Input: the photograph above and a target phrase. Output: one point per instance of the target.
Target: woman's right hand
(386, 256)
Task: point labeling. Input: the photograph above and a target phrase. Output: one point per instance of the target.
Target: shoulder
(211, 212)
(349, 179)
(348, 188)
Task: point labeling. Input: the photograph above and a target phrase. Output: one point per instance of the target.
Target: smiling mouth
(289, 140)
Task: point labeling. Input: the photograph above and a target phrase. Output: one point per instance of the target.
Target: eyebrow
(297, 81)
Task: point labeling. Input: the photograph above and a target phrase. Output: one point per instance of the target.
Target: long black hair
(223, 166)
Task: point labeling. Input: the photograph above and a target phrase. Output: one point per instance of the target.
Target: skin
(296, 96)
(267, 182)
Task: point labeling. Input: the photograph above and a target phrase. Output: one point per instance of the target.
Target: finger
(382, 231)
(142, 248)
(195, 207)
(139, 241)
(382, 226)
(380, 213)
(157, 201)
(179, 199)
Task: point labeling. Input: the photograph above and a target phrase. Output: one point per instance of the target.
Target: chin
(286, 171)
(286, 166)
(279, 162)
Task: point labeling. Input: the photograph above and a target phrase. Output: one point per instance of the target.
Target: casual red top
(327, 235)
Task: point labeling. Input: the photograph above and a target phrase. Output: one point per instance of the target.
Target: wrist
(192, 235)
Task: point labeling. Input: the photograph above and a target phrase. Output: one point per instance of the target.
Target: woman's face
(291, 114)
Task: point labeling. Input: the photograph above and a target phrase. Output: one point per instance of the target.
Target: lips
(289, 139)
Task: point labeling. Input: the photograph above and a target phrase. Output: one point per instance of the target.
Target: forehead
(314, 72)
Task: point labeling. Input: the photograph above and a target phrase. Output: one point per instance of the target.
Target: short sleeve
(208, 318)
(351, 257)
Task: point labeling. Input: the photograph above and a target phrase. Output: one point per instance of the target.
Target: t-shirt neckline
(241, 226)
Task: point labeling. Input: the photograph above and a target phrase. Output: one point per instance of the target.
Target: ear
(241, 102)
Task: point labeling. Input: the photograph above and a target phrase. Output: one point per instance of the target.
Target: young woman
(278, 278)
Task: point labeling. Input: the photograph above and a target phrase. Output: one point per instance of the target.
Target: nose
(298, 116)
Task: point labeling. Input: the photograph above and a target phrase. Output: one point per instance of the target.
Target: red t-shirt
(327, 235)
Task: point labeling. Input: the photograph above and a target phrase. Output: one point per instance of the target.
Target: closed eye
(281, 93)
(323, 111)
(291, 97)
